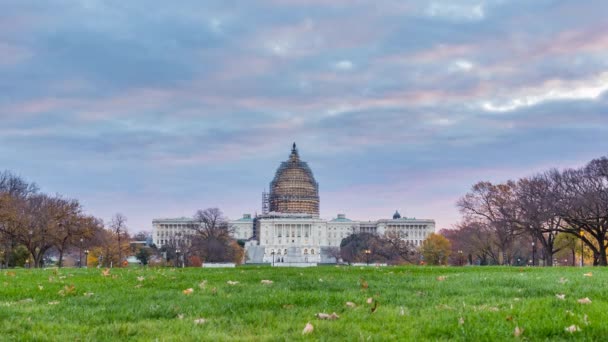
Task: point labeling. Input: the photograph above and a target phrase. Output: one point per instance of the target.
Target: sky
(156, 109)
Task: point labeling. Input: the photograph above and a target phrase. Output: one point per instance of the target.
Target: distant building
(290, 232)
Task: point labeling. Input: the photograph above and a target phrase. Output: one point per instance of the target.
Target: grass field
(411, 303)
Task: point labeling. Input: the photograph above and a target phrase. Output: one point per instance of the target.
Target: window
(312, 251)
(305, 251)
(285, 251)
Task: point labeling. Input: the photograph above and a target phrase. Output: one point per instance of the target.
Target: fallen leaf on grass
(351, 304)
(460, 321)
(26, 300)
(105, 272)
(88, 294)
(67, 290)
(53, 303)
(586, 319)
(267, 282)
(562, 280)
(370, 300)
(560, 296)
(10, 274)
(200, 321)
(441, 278)
(138, 286)
(214, 291)
(590, 274)
(40, 287)
(375, 307)
(230, 282)
(180, 316)
(308, 329)
(328, 317)
(188, 291)
(572, 329)
(364, 284)
(202, 284)
(585, 300)
(141, 278)
(518, 331)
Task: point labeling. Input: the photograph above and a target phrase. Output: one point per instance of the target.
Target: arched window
(305, 251)
(312, 251)
(285, 251)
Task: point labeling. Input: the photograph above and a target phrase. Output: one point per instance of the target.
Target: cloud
(181, 102)
(344, 65)
(454, 10)
(552, 90)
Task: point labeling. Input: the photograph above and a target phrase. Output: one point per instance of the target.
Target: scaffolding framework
(294, 189)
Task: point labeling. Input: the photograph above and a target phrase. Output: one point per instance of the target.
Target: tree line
(36, 225)
(536, 217)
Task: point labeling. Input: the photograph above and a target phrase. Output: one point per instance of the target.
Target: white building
(292, 232)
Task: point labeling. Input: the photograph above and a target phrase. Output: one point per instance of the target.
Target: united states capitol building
(289, 231)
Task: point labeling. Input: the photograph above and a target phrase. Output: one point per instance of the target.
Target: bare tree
(495, 207)
(118, 226)
(213, 240)
(539, 217)
(581, 198)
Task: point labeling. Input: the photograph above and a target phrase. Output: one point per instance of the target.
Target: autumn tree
(436, 249)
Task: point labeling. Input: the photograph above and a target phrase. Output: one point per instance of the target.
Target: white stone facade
(172, 231)
(295, 238)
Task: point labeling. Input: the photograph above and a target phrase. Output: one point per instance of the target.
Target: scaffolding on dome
(294, 189)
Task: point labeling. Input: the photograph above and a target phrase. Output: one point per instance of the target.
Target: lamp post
(272, 253)
(86, 258)
(459, 258)
(367, 253)
(177, 251)
(100, 261)
(582, 249)
(533, 252)
(80, 255)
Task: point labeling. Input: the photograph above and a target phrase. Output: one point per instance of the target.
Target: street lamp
(459, 258)
(86, 258)
(80, 256)
(272, 257)
(367, 253)
(533, 252)
(582, 249)
(177, 251)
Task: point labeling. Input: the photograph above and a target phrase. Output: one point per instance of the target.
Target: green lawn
(412, 303)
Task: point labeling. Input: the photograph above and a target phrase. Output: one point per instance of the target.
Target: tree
(14, 193)
(539, 218)
(212, 240)
(581, 199)
(118, 226)
(436, 249)
(143, 256)
(494, 206)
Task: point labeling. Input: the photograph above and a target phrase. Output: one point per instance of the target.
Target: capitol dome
(294, 189)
